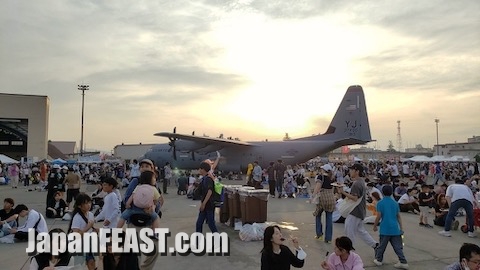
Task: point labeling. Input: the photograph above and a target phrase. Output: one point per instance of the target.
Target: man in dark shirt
(8, 217)
(279, 170)
(207, 207)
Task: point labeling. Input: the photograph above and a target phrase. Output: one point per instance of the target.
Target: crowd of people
(381, 189)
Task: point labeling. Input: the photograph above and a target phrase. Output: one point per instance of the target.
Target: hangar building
(24, 125)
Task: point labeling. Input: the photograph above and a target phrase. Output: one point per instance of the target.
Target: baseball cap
(326, 167)
(56, 166)
(148, 161)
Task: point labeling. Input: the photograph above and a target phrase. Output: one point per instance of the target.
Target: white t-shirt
(79, 223)
(32, 219)
(394, 170)
(459, 191)
(406, 169)
(406, 199)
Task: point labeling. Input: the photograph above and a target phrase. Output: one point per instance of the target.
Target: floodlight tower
(83, 88)
(399, 137)
(436, 123)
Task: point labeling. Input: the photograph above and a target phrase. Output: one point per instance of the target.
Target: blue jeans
(209, 215)
(279, 184)
(452, 211)
(328, 225)
(397, 244)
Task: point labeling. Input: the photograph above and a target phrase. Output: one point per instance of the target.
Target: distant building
(419, 149)
(131, 151)
(468, 149)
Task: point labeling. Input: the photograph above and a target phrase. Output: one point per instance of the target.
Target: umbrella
(58, 161)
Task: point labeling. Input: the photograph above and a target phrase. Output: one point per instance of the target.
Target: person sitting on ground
(48, 260)
(118, 261)
(399, 191)
(57, 207)
(343, 257)
(35, 220)
(277, 256)
(8, 217)
(182, 184)
(372, 207)
(469, 258)
(408, 203)
(143, 200)
(290, 188)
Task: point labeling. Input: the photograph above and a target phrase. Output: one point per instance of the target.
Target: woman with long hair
(343, 258)
(275, 255)
(326, 202)
(82, 222)
(47, 260)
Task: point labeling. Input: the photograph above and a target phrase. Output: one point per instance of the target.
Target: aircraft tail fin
(350, 124)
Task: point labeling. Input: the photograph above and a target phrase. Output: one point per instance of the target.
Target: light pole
(83, 88)
(438, 148)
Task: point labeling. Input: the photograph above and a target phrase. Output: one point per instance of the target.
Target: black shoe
(376, 246)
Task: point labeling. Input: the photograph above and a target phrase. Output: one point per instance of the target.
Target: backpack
(218, 195)
(143, 196)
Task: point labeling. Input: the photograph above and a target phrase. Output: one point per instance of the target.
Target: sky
(248, 69)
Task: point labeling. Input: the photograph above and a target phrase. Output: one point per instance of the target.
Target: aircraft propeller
(172, 145)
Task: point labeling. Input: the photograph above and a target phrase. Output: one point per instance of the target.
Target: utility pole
(438, 147)
(83, 88)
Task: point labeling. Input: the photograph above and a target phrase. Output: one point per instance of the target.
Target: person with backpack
(35, 220)
(207, 206)
(83, 222)
(143, 200)
(111, 205)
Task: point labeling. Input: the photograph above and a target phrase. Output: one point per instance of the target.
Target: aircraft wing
(201, 139)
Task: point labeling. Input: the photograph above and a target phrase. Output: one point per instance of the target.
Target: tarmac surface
(423, 247)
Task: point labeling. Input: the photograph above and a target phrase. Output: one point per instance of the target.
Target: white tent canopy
(6, 159)
(420, 159)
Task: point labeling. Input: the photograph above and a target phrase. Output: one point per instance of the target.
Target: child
(111, 207)
(142, 195)
(391, 229)
(290, 188)
(425, 201)
(82, 222)
(57, 208)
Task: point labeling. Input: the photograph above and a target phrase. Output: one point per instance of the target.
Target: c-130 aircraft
(349, 126)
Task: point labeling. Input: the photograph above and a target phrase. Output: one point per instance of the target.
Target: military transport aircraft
(349, 126)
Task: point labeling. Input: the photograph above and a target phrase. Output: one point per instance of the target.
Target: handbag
(346, 206)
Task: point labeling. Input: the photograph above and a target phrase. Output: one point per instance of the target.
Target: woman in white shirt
(82, 222)
(408, 203)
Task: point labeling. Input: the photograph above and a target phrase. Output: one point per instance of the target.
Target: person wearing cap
(326, 202)
(343, 257)
(110, 213)
(354, 221)
(391, 228)
(145, 165)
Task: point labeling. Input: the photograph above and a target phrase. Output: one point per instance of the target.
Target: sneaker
(445, 233)
(455, 225)
(400, 265)
(471, 235)
(319, 237)
(328, 242)
(428, 226)
(377, 263)
(376, 246)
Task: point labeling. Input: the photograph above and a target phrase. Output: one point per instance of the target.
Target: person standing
(279, 171)
(459, 196)
(207, 208)
(326, 202)
(354, 221)
(391, 229)
(72, 180)
(257, 175)
(13, 174)
(271, 179)
(168, 175)
(110, 213)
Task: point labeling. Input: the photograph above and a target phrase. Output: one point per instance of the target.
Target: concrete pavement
(424, 248)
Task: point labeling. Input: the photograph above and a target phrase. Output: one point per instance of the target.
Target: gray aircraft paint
(349, 126)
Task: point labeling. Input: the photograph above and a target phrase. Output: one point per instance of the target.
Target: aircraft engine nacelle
(209, 149)
(187, 146)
